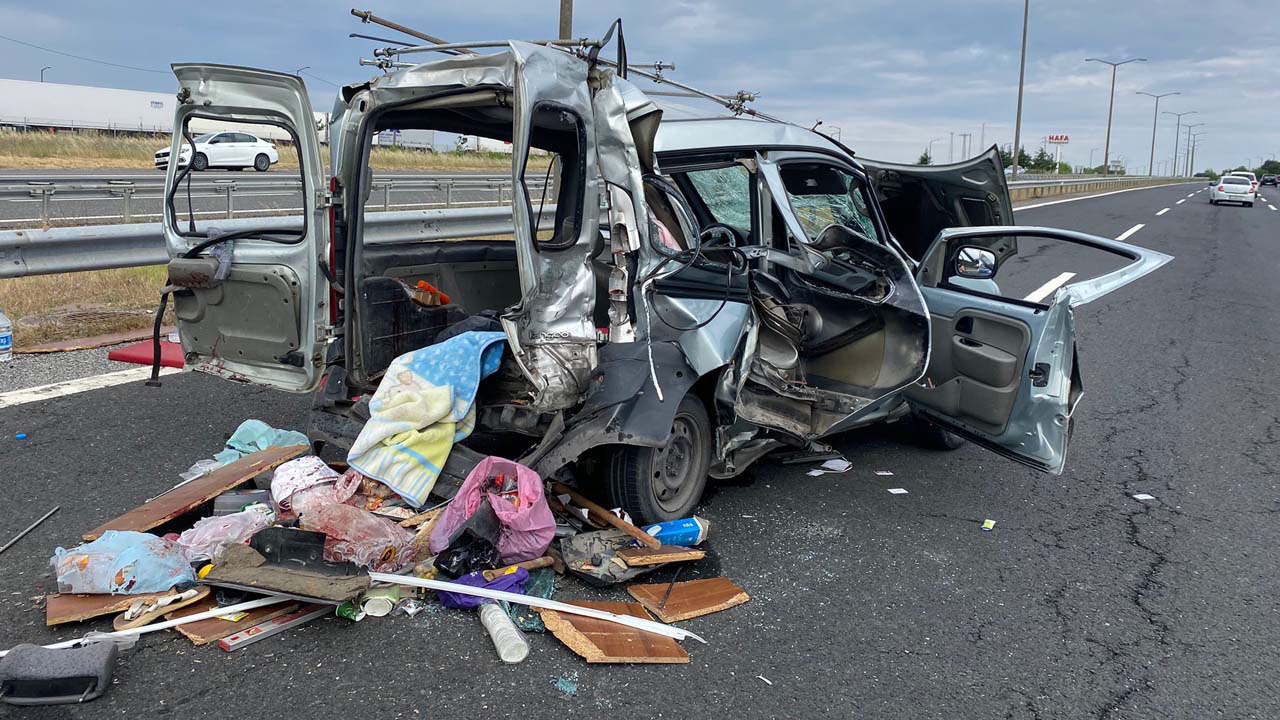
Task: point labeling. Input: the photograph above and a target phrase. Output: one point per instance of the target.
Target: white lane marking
(1180, 201)
(79, 385)
(1190, 194)
(1273, 207)
(1090, 197)
(1049, 288)
(1162, 212)
(1125, 235)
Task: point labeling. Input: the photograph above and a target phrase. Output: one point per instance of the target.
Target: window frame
(868, 197)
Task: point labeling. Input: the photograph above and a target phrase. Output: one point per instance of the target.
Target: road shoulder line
(14, 398)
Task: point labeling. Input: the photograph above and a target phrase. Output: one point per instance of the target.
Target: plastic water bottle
(507, 640)
(6, 338)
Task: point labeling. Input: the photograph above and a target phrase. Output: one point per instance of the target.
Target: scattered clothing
(255, 435)
(424, 404)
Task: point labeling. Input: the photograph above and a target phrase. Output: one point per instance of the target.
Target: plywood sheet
(66, 607)
(690, 599)
(641, 556)
(601, 641)
(203, 632)
(199, 491)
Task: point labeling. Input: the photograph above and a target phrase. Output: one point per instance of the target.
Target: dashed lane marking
(1049, 288)
(1162, 212)
(1180, 201)
(79, 385)
(1125, 235)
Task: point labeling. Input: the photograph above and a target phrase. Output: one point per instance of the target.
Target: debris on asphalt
(687, 532)
(278, 537)
(898, 491)
(567, 684)
(1144, 496)
(684, 600)
(32, 675)
(766, 680)
(884, 473)
(834, 465)
(20, 436)
(29, 528)
(988, 525)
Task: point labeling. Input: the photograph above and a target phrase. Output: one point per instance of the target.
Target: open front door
(1003, 370)
(250, 299)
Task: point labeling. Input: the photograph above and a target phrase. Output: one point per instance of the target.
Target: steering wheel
(716, 234)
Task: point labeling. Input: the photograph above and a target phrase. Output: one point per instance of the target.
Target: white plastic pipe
(228, 610)
(633, 622)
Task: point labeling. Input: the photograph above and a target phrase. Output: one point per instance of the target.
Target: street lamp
(46, 67)
(1091, 152)
(1195, 142)
(304, 67)
(1106, 150)
(1177, 135)
(929, 151)
(1187, 154)
(1155, 116)
(836, 128)
(1022, 74)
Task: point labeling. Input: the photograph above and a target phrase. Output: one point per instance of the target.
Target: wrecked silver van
(679, 298)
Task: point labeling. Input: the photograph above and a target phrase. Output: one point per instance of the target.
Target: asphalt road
(254, 194)
(1082, 602)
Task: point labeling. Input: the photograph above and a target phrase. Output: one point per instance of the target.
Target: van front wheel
(664, 483)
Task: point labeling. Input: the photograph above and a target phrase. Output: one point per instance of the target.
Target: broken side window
(823, 195)
(555, 171)
(726, 193)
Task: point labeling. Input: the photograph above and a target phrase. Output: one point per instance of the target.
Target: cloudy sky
(892, 75)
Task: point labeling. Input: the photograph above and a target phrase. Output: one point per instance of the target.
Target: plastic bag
(210, 536)
(527, 524)
(363, 538)
(298, 475)
(122, 562)
(512, 582)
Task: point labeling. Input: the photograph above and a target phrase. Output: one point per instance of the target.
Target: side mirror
(975, 263)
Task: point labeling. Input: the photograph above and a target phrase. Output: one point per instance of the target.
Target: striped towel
(424, 404)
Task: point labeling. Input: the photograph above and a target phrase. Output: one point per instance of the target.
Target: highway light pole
(1187, 155)
(1155, 117)
(929, 151)
(1177, 136)
(1022, 74)
(1195, 142)
(1111, 106)
(46, 67)
(566, 19)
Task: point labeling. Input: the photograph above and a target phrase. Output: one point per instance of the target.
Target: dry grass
(26, 300)
(96, 150)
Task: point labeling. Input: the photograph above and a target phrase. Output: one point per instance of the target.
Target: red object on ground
(141, 353)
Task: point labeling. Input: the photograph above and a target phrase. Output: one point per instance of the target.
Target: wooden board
(66, 607)
(199, 491)
(691, 599)
(203, 632)
(601, 514)
(640, 556)
(146, 618)
(601, 641)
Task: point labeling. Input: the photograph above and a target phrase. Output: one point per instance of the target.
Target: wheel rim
(261, 162)
(674, 465)
(200, 162)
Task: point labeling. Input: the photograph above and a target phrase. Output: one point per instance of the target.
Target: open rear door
(919, 201)
(1002, 371)
(249, 296)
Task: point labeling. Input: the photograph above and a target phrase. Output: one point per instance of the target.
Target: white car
(231, 150)
(1232, 188)
(1253, 179)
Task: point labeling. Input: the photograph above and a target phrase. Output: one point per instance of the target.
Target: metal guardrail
(1050, 180)
(76, 249)
(128, 193)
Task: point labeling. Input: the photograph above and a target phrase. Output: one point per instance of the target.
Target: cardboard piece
(203, 489)
(66, 607)
(203, 632)
(690, 599)
(601, 641)
(641, 556)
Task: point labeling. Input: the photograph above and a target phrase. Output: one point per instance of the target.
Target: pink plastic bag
(527, 524)
(363, 538)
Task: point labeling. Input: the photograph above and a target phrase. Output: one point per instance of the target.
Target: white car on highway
(1232, 188)
(1253, 179)
(231, 150)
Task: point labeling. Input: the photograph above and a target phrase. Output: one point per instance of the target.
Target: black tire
(1248, 204)
(935, 437)
(200, 162)
(262, 163)
(666, 483)
(1212, 201)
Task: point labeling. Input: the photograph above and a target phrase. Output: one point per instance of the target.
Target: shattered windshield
(823, 195)
(726, 191)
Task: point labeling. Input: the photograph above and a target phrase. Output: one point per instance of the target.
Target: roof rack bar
(369, 17)
(384, 63)
(444, 47)
(737, 103)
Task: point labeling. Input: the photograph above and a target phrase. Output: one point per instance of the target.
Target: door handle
(968, 342)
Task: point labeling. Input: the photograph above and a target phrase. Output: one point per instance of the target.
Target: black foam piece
(33, 675)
